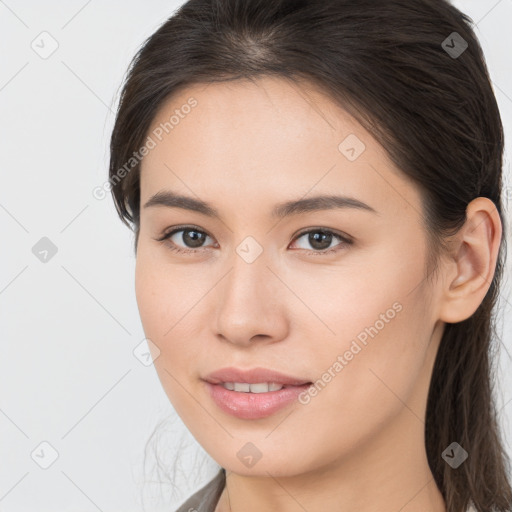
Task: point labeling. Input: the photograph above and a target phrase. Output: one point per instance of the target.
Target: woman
(315, 192)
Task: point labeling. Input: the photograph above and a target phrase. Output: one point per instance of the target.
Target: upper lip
(252, 376)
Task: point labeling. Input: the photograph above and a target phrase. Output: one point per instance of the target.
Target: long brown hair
(414, 75)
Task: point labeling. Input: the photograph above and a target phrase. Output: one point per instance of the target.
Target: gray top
(206, 498)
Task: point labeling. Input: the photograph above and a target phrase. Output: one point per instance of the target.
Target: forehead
(267, 139)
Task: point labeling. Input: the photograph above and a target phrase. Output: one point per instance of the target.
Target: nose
(251, 304)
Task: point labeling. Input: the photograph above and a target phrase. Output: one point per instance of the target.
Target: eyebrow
(294, 207)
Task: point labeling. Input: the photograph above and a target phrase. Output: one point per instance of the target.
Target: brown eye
(191, 237)
(321, 239)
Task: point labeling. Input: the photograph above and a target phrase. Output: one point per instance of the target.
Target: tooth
(261, 387)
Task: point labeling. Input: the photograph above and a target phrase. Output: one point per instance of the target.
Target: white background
(69, 326)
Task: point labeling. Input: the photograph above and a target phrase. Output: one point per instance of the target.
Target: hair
(387, 64)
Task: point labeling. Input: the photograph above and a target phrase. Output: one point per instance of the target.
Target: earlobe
(471, 269)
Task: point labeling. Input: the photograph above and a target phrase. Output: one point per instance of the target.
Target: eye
(321, 239)
(190, 235)
(193, 238)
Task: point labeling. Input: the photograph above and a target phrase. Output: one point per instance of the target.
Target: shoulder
(206, 498)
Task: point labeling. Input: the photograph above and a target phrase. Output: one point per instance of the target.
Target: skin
(358, 444)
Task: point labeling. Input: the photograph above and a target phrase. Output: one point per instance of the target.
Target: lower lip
(252, 406)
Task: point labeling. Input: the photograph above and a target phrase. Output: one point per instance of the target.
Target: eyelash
(345, 241)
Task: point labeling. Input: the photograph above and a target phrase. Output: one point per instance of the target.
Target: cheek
(157, 295)
(367, 288)
(161, 290)
(163, 310)
(361, 394)
(381, 327)
(169, 299)
(148, 290)
(384, 371)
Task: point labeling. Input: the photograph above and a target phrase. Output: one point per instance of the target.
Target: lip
(253, 376)
(251, 406)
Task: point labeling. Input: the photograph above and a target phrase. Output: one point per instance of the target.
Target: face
(332, 293)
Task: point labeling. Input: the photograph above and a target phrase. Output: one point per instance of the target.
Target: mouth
(253, 394)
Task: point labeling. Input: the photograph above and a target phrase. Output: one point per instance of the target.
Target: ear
(471, 267)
